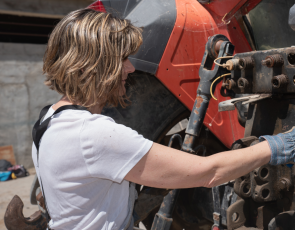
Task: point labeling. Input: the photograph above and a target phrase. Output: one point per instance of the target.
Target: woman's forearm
(164, 167)
(230, 165)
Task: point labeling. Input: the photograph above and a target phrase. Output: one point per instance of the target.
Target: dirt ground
(20, 187)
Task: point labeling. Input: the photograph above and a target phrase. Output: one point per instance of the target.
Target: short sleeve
(111, 150)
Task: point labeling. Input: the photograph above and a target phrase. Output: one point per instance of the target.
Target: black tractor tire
(153, 108)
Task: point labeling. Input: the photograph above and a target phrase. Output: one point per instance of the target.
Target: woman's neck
(96, 109)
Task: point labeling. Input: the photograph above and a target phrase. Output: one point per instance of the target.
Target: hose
(215, 81)
(222, 65)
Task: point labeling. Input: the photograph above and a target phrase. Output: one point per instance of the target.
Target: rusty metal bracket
(15, 220)
(230, 104)
(236, 215)
(268, 181)
(207, 76)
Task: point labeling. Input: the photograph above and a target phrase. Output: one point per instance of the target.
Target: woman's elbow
(209, 177)
(210, 184)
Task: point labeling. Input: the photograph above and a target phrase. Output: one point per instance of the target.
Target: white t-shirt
(83, 159)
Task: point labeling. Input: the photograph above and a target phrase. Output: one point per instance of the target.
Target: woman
(86, 160)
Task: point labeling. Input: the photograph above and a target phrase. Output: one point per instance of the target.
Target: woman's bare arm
(164, 167)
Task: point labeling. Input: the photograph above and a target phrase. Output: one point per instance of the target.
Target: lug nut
(246, 63)
(230, 84)
(243, 83)
(279, 81)
(273, 60)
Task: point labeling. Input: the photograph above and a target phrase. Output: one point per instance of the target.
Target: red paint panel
(237, 37)
(98, 6)
(179, 67)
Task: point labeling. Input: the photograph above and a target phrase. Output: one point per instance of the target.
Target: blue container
(4, 176)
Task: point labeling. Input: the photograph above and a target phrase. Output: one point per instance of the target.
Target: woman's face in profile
(127, 68)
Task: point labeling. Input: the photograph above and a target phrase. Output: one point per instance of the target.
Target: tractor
(211, 76)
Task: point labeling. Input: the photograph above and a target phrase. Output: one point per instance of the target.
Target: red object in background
(98, 5)
(179, 67)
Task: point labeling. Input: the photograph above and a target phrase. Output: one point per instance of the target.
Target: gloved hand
(282, 147)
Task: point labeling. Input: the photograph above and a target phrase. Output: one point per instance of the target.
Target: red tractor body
(179, 66)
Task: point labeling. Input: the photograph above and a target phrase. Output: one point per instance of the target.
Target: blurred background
(24, 30)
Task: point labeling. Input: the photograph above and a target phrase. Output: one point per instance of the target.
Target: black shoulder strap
(37, 133)
(41, 115)
(39, 129)
(44, 111)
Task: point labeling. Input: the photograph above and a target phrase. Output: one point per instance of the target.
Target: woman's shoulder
(98, 118)
(101, 123)
(98, 123)
(85, 115)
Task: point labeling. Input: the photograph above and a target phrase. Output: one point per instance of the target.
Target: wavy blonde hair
(84, 57)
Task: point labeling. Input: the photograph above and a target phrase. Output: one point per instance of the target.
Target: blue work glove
(282, 147)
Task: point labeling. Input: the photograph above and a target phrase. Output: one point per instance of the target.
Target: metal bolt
(279, 81)
(284, 184)
(273, 60)
(266, 62)
(243, 83)
(246, 63)
(224, 85)
(231, 84)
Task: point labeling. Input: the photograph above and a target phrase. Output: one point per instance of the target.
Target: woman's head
(85, 55)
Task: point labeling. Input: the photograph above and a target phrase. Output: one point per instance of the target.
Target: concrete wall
(58, 7)
(22, 92)
(22, 96)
